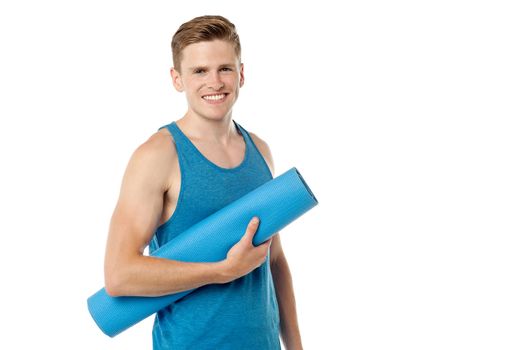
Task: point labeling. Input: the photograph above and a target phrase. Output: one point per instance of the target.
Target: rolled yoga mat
(277, 203)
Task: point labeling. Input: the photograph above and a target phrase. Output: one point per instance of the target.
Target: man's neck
(221, 131)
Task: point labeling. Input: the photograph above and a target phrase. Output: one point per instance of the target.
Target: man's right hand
(244, 257)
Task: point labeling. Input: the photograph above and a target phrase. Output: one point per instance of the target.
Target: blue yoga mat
(277, 203)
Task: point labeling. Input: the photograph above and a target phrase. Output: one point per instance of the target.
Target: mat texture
(277, 203)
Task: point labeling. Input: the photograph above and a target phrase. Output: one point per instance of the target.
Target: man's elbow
(114, 282)
(112, 285)
(118, 274)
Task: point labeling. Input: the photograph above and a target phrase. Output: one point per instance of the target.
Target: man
(184, 172)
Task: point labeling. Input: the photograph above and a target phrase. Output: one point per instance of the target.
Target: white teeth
(214, 97)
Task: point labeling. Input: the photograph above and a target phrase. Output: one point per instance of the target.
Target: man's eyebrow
(224, 65)
(196, 67)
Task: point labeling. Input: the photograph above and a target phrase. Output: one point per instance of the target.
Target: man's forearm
(152, 276)
(289, 327)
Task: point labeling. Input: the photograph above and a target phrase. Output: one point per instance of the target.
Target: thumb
(251, 229)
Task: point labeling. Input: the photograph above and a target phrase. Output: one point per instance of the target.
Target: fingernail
(255, 220)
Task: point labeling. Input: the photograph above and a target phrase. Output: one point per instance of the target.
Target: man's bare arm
(281, 276)
(136, 216)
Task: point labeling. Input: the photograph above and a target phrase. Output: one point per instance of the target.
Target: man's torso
(226, 157)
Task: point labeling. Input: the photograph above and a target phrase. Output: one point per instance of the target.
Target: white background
(406, 118)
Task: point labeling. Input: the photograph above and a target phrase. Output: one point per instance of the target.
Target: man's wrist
(220, 272)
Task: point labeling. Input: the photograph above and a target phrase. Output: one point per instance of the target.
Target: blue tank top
(242, 314)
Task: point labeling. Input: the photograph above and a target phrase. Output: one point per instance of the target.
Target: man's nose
(214, 81)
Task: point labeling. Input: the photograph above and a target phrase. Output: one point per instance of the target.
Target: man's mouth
(215, 97)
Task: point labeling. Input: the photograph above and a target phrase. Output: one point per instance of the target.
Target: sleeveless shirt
(242, 314)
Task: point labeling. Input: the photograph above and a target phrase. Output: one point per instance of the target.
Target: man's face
(211, 76)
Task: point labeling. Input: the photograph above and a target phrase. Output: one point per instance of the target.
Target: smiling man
(183, 173)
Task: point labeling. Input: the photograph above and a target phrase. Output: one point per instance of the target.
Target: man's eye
(226, 68)
(199, 71)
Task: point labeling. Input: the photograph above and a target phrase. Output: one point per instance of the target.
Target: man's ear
(242, 74)
(176, 80)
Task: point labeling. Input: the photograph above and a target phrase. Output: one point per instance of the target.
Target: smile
(215, 98)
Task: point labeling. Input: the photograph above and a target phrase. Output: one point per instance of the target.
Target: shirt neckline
(201, 155)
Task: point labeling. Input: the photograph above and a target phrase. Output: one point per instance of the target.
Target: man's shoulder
(157, 150)
(264, 149)
(159, 143)
(261, 144)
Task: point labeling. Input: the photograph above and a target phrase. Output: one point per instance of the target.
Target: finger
(268, 241)
(265, 245)
(251, 229)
